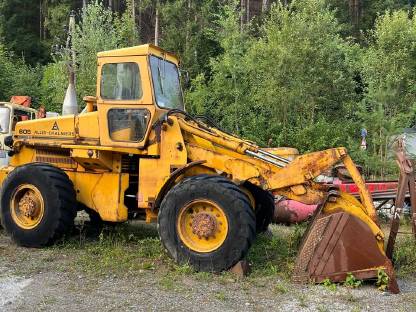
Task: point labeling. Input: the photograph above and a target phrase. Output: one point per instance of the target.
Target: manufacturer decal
(55, 127)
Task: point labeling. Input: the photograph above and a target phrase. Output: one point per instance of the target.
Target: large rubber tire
(264, 206)
(235, 205)
(60, 206)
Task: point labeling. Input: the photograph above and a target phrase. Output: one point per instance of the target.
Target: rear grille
(54, 156)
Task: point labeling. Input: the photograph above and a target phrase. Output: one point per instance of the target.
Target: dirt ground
(51, 279)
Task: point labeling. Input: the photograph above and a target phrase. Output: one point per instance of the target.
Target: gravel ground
(41, 280)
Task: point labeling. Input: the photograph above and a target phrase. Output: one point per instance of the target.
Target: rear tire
(264, 207)
(227, 219)
(38, 205)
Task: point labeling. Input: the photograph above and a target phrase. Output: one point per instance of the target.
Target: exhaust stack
(70, 105)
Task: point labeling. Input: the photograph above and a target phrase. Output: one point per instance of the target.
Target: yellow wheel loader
(134, 152)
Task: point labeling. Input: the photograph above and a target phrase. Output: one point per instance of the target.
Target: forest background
(303, 73)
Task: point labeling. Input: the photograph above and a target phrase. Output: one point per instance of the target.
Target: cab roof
(18, 106)
(145, 49)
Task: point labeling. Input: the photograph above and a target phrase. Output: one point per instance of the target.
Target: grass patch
(281, 288)
(276, 255)
(405, 256)
(118, 249)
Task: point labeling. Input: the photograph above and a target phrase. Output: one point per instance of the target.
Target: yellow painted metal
(58, 129)
(27, 206)
(202, 225)
(154, 173)
(142, 50)
(102, 192)
(365, 195)
(87, 129)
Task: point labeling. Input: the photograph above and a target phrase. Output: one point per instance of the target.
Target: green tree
(389, 73)
(295, 84)
(19, 28)
(98, 29)
(17, 78)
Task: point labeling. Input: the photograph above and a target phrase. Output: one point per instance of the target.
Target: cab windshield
(166, 83)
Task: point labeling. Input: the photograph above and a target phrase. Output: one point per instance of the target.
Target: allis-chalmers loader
(134, 152)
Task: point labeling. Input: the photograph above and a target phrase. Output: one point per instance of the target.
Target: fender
(171, 181)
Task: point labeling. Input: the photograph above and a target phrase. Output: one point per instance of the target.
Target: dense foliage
(308, 74)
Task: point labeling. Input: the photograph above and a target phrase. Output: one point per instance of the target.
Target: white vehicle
(10, 114)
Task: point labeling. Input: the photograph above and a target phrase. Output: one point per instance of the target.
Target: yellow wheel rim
(27, 206)
(202, 225)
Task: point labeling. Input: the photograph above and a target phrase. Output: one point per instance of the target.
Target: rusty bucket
(338, 243)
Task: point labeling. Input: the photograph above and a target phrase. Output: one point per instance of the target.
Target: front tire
(207, 222)
(38, 205)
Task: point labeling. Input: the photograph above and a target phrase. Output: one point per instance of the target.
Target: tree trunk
(242, 13)
(140, 18)
(84, 4)
(188, 20)
(133, 14)
(40, 19)
(157, 24)
(248, 11)
(264, 5)
(355, 13)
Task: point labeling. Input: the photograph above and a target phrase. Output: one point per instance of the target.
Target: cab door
(124, 101)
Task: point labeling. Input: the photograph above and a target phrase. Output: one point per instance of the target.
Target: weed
(405, 256)
(276, 255)
(221, 296)
(167, 282)
(352, 282)
(203, 276)
(281, 288)
(329, 285)
(322, 308)
(382, 280)
(350, 297)
(184, 269)
(302, 300)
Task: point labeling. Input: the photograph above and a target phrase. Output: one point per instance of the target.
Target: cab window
(121, 81)
(127, 125)
(166, 83)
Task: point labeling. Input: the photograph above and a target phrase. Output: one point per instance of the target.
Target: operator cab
(135, 86)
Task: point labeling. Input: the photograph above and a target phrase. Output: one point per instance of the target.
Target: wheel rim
(202, 225)
(27, 206)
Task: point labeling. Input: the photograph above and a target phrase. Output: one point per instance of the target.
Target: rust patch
(204, 225)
